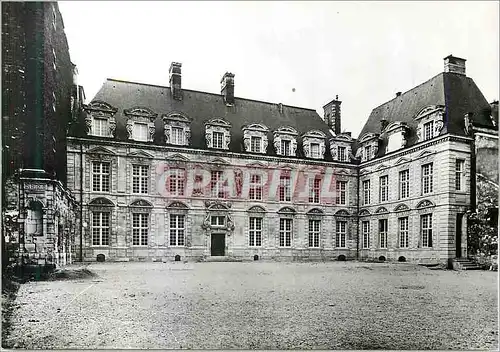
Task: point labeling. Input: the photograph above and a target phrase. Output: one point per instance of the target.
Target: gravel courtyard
(260, 305)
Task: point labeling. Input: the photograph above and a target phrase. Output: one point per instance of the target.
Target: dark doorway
(218, 244)
(458, 237)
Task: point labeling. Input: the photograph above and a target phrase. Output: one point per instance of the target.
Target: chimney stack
(227, 88)
(454, 65)
(175, 80)
(332, 115)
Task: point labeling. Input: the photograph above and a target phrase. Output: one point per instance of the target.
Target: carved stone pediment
(381, 210)
(219, 126)
(141, 115)
(287, 210)
(177, 205)
(217, 205)
(100, 110)
(363, 212)
(314, 137)
(342, 212)
(424, 204)
(101, 202)
(432, 113)
(315, 211)
(255, 130)
(285, 134)
(180, 121)
(141, 203)
(401, 207)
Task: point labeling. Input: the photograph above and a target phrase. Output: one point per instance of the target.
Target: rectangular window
(218, 220)
(140, 229)
(367, 152)
(428, 130)
(177, 136)
(100, 127)
(365, 226)
(217, 140)
(366, 192)
(285, 148)
(140, 132)
(314, 150)
(255, 144)
(427, 178)
(382, 230)
(341, 189)
(285, 232)
(403, 232)
(176, 181)
(459, 175)
(255, 191)
(314, 231)
(140, 179)
(177, 230)
(100, 177)
(426, 230)
(255, 232)
(342, 153)
(404, 184)
(340, 234)
(100, 228)
(384, 188)
(216, 184)
(314, 190)
(285, 192)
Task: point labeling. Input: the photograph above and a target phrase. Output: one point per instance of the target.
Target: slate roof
(458, 93)
(203, 106)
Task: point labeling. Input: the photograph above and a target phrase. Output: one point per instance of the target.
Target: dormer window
(140, 124)
(428, 130)
(368, 146)
(217, 134)
(341, 153)
(255, 144)
(340, 147)
(430, 122)
(314, 144)
(100, 119)
(177, 136)
(396, 133)
(217, 138)
(315, 150)
(140, 132)
(100, 127)
(367, 153)
(177, 128)
(285, 141)
(285, 148)
(255, 138)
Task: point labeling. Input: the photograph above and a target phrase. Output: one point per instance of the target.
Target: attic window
(140, 131)
(315, 150)
(255, 138)
(428, 129)
(341, 153)
(177, 128)
(431, 122)
(367, 153)
(285, 142)
(177, 136)
(100, 119)
(100, 127)
(314, 144)
(285, 148)
(217, 134)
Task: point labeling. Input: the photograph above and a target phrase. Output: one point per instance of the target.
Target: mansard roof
(457, 93)
(202, 107)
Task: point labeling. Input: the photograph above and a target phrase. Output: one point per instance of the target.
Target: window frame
(177, 234)
(177, 138)
(135, 135)
(285, 234)
(427, 172)
(103, 178)
(403, 229)
(285, 188)
(340, 234)
(366, 187)
(218, 223)
(255, 144)
(255, 187)
(216, 141)
(216, 185)
(383, 229)
(384, 188)
(313, 154)
(341, 194)
(141, 229)
(314, 233)
(100, 227)
(404, 184)
(341, 156)
(255, 232)
(142, 180)
(428, 133)
(176, 181)
(365, 230)
(460, 175)
(315, 191)
(426, 230)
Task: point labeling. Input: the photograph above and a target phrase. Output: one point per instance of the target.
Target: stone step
(222, 259)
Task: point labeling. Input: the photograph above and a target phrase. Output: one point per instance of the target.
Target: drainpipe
(81, 202)
(357, 213)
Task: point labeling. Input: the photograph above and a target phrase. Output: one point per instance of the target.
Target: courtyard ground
(259, 305)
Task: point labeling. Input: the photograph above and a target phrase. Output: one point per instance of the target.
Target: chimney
(332, 115)
(175, 80)
(227, 88)
(454, 65)
(494, 112)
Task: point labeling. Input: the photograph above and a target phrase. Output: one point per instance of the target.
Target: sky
(296, 53)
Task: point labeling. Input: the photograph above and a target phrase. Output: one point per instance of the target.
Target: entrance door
(458, 237)
(218, 244)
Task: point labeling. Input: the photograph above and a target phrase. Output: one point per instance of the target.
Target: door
(458, 237)
(218, 244)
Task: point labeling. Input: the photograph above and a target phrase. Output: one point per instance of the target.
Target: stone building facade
(40, 100)
(165, 171)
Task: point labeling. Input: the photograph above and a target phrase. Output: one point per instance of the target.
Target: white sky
(363, 51)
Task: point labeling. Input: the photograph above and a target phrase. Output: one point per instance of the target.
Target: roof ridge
(199, 91)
